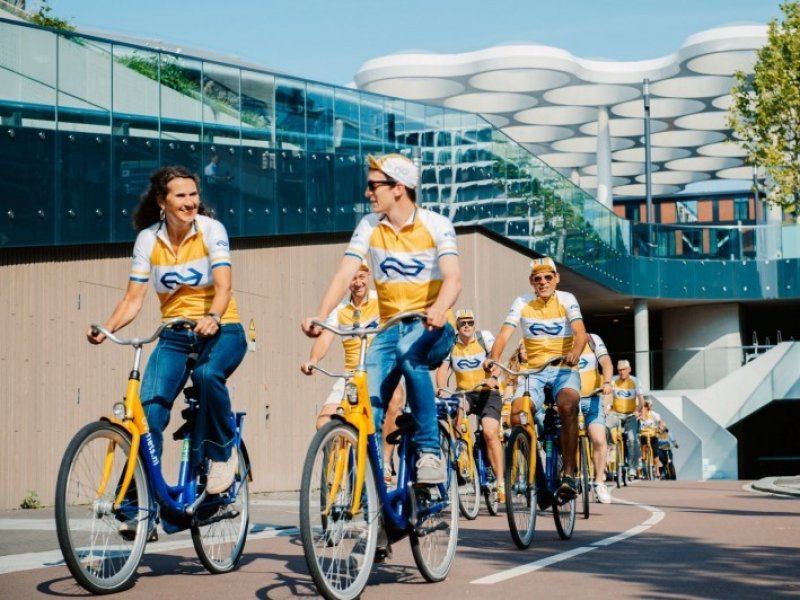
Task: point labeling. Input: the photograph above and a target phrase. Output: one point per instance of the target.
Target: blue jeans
(168, 369)
(408, 350)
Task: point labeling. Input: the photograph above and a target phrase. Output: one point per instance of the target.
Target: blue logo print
(543, 329)
(466, 363)
(391, 263)
(583, 363)
(172, 279)
(625, 393)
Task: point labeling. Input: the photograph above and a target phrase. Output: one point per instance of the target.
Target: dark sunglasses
(374, 185)
(543, 278)
(462, 323)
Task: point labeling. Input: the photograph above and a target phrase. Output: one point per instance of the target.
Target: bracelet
(216, 317)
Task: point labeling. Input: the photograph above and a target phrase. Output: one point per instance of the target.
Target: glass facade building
(84, 120)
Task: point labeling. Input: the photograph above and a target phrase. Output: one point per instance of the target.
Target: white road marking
(656, 515)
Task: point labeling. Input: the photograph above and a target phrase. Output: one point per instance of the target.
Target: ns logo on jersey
(583, 363)
(545, 329)
(625, 393)
(398, 267)
(173, 279)
(468, 363)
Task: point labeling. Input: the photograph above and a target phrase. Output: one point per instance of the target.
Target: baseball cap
(398, 167)
(623, 364)
(465, 313)
(543, 264)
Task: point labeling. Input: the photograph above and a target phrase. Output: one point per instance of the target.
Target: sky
(329, 40)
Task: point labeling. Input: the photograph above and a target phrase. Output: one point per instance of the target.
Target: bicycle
(534, 466)
(476, 477)
(111, 493)
(346, 505)
(617, 466)
(664, 446)
(646, 435)
(585, 462)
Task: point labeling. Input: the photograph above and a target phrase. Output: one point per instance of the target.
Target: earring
(161, 215)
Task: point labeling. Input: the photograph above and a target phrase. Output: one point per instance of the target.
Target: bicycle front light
(351, 393)
(119, 410)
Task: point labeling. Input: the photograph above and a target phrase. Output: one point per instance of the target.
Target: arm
(318, 351)
(441, 375)
(607, 370)
(579, 339)
(336, 290)
(506, 331)
(448, 293)
(125, 312)
(222, 277)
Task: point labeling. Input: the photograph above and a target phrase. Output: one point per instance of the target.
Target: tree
(765, 112)
(44, 16)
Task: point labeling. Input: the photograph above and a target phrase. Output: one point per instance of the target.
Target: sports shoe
(568, 488)
(430, 469)
(601, 492)
(221, 474)
(501, 492)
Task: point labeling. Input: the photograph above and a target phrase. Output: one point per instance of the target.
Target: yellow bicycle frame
(524, 405)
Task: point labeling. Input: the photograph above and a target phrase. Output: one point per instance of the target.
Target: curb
(767, 484)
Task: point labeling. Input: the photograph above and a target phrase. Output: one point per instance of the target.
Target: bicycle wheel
(520, 496)
(469, 487)
(490, 492)
(671, 471)
(434, 539)
(619, 476)
(647, 461)
(339, 547)
(220, 534)
(586, 489)
(102, 547)
(564, 510)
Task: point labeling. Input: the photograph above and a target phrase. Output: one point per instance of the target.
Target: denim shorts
(592, 413)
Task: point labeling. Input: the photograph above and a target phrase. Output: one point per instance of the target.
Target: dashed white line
(656, 515)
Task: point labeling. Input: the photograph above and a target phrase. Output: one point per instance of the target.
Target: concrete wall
(54, 382)
(701, 345)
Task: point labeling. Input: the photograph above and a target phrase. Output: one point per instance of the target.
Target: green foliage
(44, 17)
(765, 112)
(32, 500)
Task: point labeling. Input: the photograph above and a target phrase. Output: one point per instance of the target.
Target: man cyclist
(466, 361)
(415, 260)
(359, 310)
(627, 400)
(551, 324)
(596, 370)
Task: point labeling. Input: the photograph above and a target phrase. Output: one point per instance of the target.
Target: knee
(491, 430)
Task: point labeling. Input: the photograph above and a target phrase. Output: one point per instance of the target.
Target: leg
(214, 428)
(383, 373)
(632, 442)
(597, 435)
(331, 403)
(490, 405)
(568, 412)
(393, 411)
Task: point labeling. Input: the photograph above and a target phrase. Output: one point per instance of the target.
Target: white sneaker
(601, 491)
(221, 474)
(430, 469)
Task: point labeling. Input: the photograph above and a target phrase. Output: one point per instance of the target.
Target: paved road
(679, 539)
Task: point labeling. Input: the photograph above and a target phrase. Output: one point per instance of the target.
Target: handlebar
(556, 360)
(140, 341)
(328, 373)
(363, 332)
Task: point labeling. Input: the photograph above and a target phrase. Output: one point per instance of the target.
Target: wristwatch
(216, 317)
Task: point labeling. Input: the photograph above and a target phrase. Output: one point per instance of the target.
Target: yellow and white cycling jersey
(467, 360)
(405, 262)
(346, 316)
(589, 367)
(546, 326)
(625, 393)
(183, 280)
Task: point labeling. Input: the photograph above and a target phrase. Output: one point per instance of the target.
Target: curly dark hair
(148, 211)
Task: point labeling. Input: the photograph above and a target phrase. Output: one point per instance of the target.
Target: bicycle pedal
(382, 554)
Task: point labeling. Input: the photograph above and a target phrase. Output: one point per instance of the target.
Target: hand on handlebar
(310, 328)
(573, 357)
(95, 336)
(435, 317)
(307, 368)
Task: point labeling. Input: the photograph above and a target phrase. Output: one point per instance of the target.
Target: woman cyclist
(186, 255)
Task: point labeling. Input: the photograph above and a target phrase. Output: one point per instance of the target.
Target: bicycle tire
(671, 474)
(100, 555)
(563, 510)
(220, 536)
(339, 548)
(586, 489)
(520, 496)
(490, 492)
(434, 539)
(620, 470)
(469, 492)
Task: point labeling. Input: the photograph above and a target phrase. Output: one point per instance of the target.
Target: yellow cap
(623, 364)
(465, 313)
(398, 167)
(543, 264)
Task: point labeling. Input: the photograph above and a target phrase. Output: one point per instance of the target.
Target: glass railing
(84, 120)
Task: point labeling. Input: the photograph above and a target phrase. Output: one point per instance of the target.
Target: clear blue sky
(328, 40)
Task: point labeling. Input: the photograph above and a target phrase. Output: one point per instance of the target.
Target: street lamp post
(648, 168)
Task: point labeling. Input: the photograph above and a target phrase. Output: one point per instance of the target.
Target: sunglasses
(543, 278)
(466, 323)
(374, 185)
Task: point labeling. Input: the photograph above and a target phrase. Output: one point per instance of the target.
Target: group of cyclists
(412, 255)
